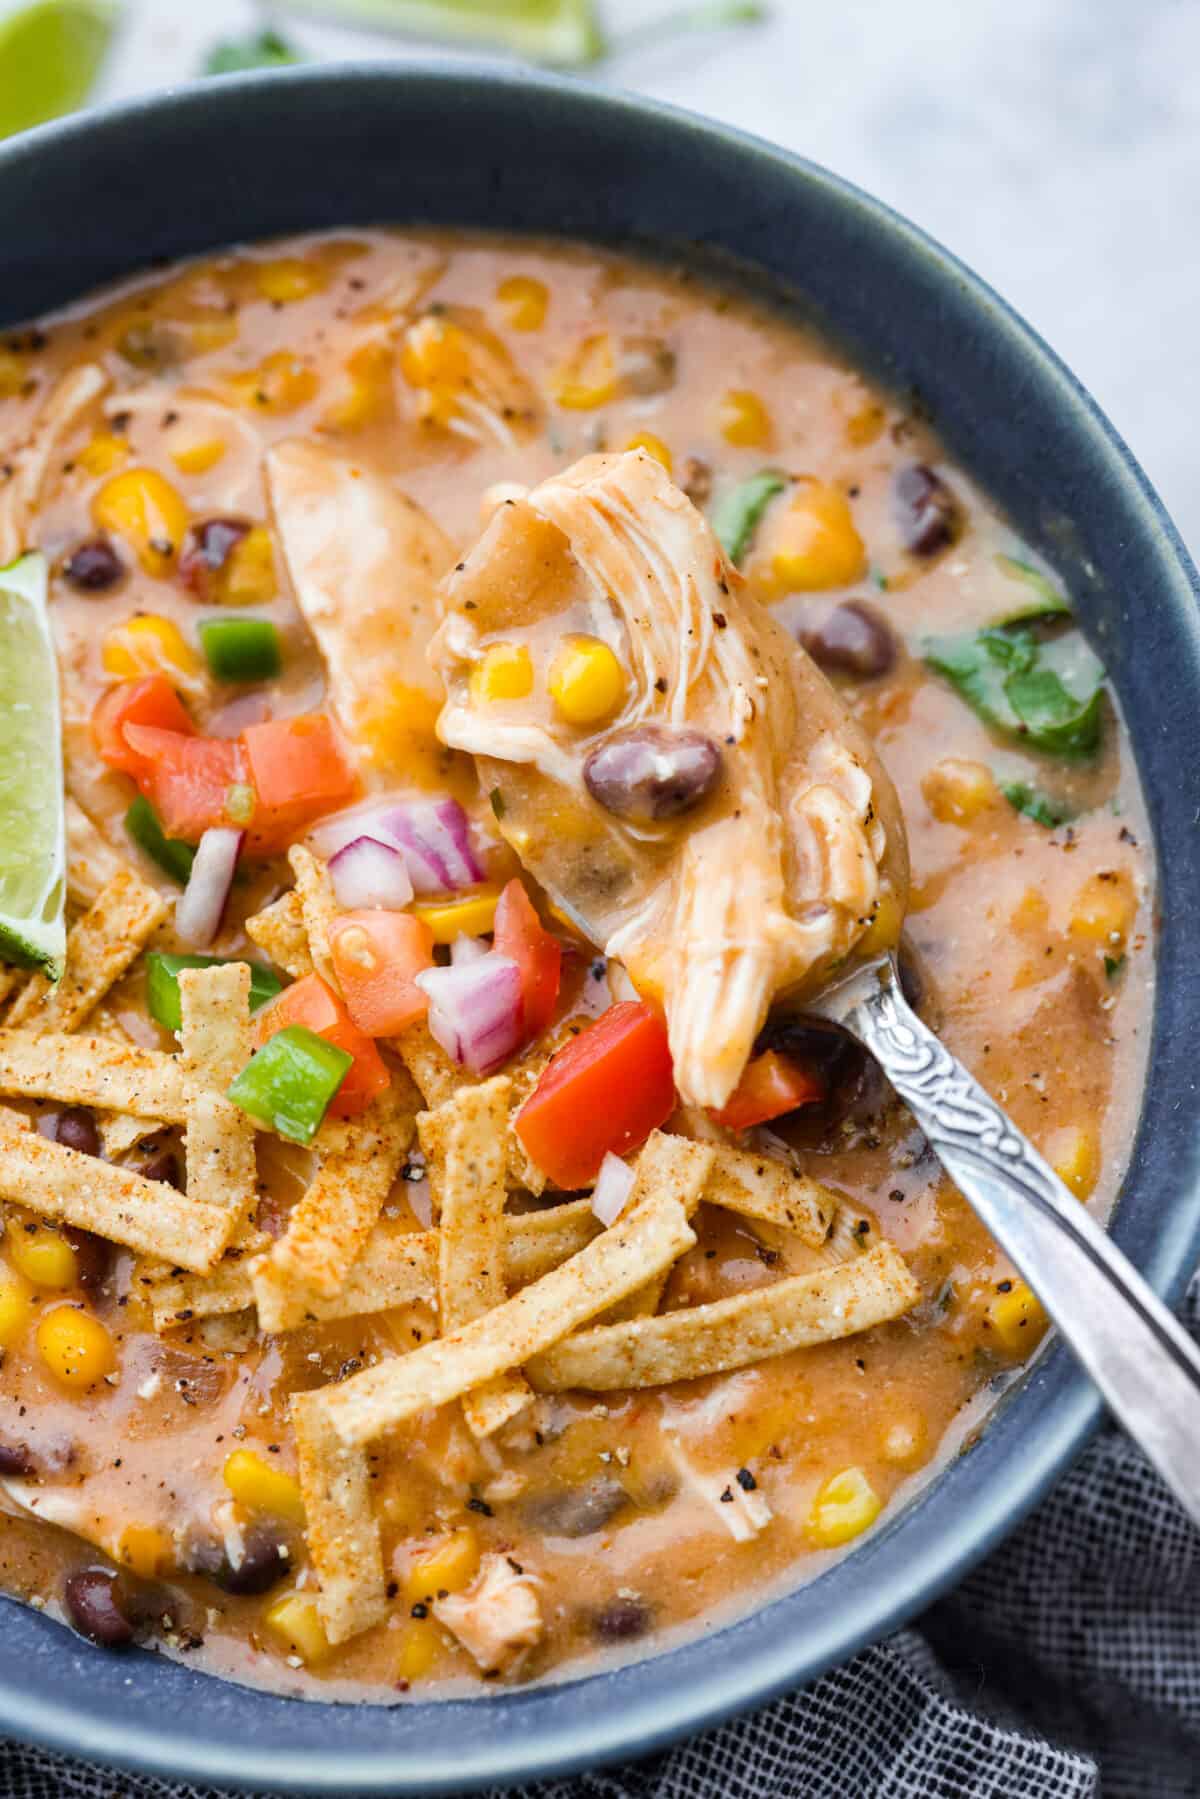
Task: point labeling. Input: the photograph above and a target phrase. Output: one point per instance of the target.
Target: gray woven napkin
(1066, 1664)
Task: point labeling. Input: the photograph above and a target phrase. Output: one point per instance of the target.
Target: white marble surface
(1053, 144)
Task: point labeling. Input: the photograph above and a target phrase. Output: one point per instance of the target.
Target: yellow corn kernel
(904, 1439)
(812, 543)
(1074, 1154)
(248, 577)
(103, 454)
(505, 673)
(147, 644)
(12, 373)
(145, 1549)
(653, 446)
(288, 278)
(141, 506)
(75, 1347)
(280, 384)
(261, 1488)
(16, 1307)
(449, 1568)
(884, 930)
(41, 1254)
(471, 916)
(845, 1506)
(957, 790)
(211, 331)
(418, 1649)
(865, 425)
(197, 457)
(588, 378)
(1104, 909)
(587, 683)
(1016, 1317)
(743, 420)
(368, 398)
(1031, 912)
(296, 1621)
(524, 301)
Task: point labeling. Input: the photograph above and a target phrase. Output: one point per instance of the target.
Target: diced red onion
(246, 709)
(466, 949)
(475, 1010)
(366, 872)
(198, 911)
(434, 837)
(614, 1184)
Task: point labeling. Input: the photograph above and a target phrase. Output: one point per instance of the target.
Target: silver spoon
(1140, 1357)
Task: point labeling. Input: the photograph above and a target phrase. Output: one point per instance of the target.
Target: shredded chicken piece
(365, 562)
(498, 1619)
(22, 492)
(773, 880)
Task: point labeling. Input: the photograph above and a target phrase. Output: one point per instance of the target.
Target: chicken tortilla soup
(500, 683)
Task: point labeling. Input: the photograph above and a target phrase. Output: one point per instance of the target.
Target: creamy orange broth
(613, 1506)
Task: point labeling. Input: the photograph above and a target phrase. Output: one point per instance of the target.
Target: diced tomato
(771, 1085)
(375, 957)
(151, 701)
(607, 1089)
(187, 779)
(299, 771)
(311, 1003)
(520, 933)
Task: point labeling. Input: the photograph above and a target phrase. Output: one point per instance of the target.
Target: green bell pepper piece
(288, 1085)
(162, 984)
(172, 856)
(241, 649)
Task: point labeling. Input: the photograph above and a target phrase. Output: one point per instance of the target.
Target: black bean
(16, 1461)
(266, 1558)
(576, 1511)
(76, 1129)
(207, 548)
(163, 1166)
(620, 1621)
(93, 1256)
(95, 1606)
(928, 513)
(652, 772)
(852, 639)
(695, 478)
(94, 566)
(647, 365)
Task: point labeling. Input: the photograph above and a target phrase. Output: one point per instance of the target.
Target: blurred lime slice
(563, 32)
(50, 54)
(32, 831)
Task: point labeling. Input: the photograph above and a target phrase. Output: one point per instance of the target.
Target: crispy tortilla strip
(92, 1071)
(759, 1187)
(341, 1528)
(121, 1131)
(469, 1179)
(665, 1164)
(731, 1333)
(379, 1399)
(318, 908)
(279, 932)
(103, 944)
(359, 1160)
(396, 1268)
(214, 1045)
(92, 862)
(71, 1188)
(10, 980)
(437, 1077)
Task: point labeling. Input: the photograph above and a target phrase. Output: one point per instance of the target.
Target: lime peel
(50, 55)
(33, 850)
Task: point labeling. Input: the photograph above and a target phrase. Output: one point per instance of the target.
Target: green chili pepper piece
(162, 984)
(241, 649)
(288, 1085)
(172, 856)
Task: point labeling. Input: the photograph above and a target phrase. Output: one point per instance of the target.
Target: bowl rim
(640, 1724)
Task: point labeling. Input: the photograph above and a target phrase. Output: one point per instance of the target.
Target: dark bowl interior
(101, 196)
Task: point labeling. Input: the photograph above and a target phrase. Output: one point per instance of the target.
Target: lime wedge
(50, 54)
(33, 851)
(563, 32)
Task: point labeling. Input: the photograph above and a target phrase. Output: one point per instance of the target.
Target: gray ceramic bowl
(103, 195)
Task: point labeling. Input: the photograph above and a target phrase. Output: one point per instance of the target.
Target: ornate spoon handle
(1143, 1362)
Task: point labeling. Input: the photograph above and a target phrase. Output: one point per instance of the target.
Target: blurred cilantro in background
(51, 52)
